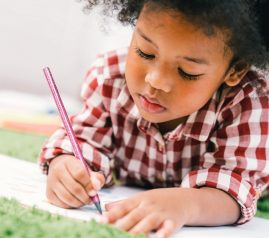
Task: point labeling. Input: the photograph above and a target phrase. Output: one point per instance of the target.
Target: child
(184, 111)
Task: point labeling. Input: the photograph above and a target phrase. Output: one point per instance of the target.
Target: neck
(168, 126)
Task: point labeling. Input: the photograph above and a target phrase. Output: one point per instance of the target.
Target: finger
(118, 211)
(147, 224)
(166, 229)
(65, 196)
(110, 205)
(53, 199)
(130, 219)
(78, 172)
(75, 188)
(95, 183)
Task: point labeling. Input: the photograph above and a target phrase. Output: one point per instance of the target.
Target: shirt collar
(125, 103)
(200, 123)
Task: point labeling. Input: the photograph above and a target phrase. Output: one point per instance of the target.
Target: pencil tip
(98, 207)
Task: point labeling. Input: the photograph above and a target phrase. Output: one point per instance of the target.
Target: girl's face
(173, 68)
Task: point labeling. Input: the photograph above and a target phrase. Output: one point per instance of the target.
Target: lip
(150, 104)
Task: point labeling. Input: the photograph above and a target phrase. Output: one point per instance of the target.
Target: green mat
(20, 145)
(17, 221)
(20, 222)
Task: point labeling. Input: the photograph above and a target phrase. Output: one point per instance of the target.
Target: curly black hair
(246, 21)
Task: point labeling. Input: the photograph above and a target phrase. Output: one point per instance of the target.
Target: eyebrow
(195, 60)
(191, 59)
(146, 38)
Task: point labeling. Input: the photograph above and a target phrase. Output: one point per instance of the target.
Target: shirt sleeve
(92, 127)
(237, 161)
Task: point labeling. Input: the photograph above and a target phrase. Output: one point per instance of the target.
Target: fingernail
(159, 234)
(92, 193)
(119, 223)
(152, 235)
(103, 219)
(96, 183)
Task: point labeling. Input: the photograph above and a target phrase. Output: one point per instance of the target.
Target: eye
(144, 55)
(188, 76)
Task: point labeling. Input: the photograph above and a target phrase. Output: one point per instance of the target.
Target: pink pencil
(67, 124)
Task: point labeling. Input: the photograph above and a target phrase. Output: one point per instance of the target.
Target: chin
(154, 118)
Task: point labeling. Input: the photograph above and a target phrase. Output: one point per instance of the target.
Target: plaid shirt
(224, 145)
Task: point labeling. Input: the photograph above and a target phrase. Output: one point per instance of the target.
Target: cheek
(135, 71)
(191, 98)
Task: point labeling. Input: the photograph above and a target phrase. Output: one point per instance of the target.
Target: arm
(167, 209)
(92, 126)
(238, 164)
(67, 183)
(212, 207)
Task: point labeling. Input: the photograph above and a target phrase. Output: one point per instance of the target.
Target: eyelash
(144, 55)
(182, 73)
(188, 76)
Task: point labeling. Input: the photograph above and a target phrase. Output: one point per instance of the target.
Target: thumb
(166, 229)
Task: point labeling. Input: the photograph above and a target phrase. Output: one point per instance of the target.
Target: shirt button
(142, 128)
(160, 178)
(160, 147)
(169, 181)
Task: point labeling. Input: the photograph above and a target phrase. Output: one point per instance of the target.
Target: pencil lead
(98, 207)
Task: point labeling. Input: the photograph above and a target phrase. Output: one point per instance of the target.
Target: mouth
(150, 105)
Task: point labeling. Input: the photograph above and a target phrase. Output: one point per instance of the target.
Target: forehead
(173, 29)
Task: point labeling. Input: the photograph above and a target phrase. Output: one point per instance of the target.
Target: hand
(162, 210)
(69, 185)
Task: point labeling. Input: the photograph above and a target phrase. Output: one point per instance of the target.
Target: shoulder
(253, 85)
(112, 63)
(106, 73)
(252, 93)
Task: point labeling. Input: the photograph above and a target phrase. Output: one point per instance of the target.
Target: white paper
(23, 181)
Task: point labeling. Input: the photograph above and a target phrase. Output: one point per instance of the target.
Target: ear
(236, 74)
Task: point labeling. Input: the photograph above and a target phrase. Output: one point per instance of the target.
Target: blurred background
(54, 33)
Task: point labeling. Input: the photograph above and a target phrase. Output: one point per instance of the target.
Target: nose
(159, 79)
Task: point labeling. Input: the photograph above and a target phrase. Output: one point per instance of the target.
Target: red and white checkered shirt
(224, 145)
